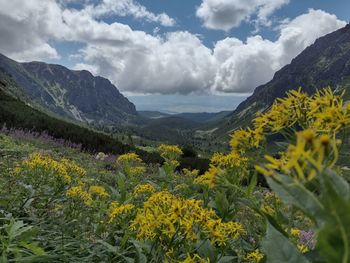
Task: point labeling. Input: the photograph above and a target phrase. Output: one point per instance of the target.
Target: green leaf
(294, 193)
(334, 237)
(279, 249)
(221, 203)
(34, 248)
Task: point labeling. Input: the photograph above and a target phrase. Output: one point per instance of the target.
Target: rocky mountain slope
(325, 63)
(72, 94)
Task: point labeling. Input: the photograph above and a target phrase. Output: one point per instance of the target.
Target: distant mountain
(325, 63)
(203, 117)
(76, 95)
(199, 117)
(15, 114)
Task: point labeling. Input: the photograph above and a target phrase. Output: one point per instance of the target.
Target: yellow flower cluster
(194, 259)
(244, 139)
(131, 164)
(231, 160)
(190, 173)
(72, 168)
(324, 112)
(208, 178)
(143, 189)
(327, 113)
(304, 160)
(219, 162)
(79, 193)
(284, 112)
(169, 152)
(165, 216)
(254, 256)
(116, 209)
(295, 232)
(63, 169)
(98, 190)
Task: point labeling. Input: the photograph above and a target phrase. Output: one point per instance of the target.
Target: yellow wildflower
(254, 256)
(79, 193)
(169, 152)
(295, 232)
(190, 173)
(163, 215)
(208, 178)
(143, 189)
(194, 259)
(302, 248)
(231, 160)
(116, 209)
(98, 190)
(131, 164)
(305, 159)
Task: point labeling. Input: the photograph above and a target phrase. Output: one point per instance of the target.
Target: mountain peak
(74, 94)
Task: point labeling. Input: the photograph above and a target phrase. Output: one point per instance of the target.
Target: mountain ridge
(324, 63)
(69, 93)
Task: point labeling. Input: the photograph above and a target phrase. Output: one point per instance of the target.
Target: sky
(188, 55)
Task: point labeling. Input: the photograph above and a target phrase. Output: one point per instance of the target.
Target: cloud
(137, 62)
(227, 14)
(178, 63)
(244, 66)
(126, 8)
(26, 28)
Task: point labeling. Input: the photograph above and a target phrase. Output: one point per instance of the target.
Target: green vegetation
(59, 204)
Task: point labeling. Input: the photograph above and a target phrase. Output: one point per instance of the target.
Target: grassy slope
(16, 114)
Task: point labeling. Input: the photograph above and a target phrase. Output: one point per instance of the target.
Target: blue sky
(179, 52)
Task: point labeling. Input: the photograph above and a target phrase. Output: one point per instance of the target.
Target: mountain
(203, 117)
(15, 114)
(199, 117)
(72, 94)
(324, 63)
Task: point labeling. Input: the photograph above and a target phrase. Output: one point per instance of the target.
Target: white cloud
(244, 66)
(126, 8)
(227, 14)
(138, 62)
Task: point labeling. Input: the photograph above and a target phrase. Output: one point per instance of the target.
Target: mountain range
(324, 63)
(81, 97)
(76, 95)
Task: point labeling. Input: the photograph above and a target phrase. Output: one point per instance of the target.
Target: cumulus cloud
(126, 8)
(227, 14)
(243, 66)
(26, 28)
(137, 62)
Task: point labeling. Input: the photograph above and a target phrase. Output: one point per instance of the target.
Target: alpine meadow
(206, 131)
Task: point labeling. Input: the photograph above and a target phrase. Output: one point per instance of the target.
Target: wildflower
(327, 113)
(229, 161)
(302, 248)
(190, 173)
(169, 152)
(164, 215)
(143, 189)
(131, 164)
(304, 160)
(98, 190)
(254, 256)
(62, 170)
(267, 209)
(116, 209)
(194, 259)
(79, 193)
(295, 232)
(208, 178)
